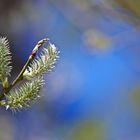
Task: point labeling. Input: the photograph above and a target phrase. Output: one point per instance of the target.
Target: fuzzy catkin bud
(5, 59)
(43, 64)
(24, 95)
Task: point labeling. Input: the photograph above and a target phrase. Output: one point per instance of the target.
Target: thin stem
(20, 76)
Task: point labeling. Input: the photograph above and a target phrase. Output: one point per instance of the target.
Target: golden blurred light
(96, 40)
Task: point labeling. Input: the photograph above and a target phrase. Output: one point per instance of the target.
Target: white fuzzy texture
(5, 59)
(44, 63)
(24, 95)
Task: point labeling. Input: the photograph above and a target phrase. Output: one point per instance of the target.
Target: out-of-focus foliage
(132, 6)
(11, 14)
(88, 130)
(127, 10)
(135, 98)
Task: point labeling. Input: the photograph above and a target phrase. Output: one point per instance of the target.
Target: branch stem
(20, 77)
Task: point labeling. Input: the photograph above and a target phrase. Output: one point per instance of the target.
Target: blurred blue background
(94, 91)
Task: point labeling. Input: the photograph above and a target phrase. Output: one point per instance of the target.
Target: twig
(5, 90)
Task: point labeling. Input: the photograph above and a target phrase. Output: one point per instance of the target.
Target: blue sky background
(91, 83)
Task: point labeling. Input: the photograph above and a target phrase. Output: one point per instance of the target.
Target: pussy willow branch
(5, 90)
